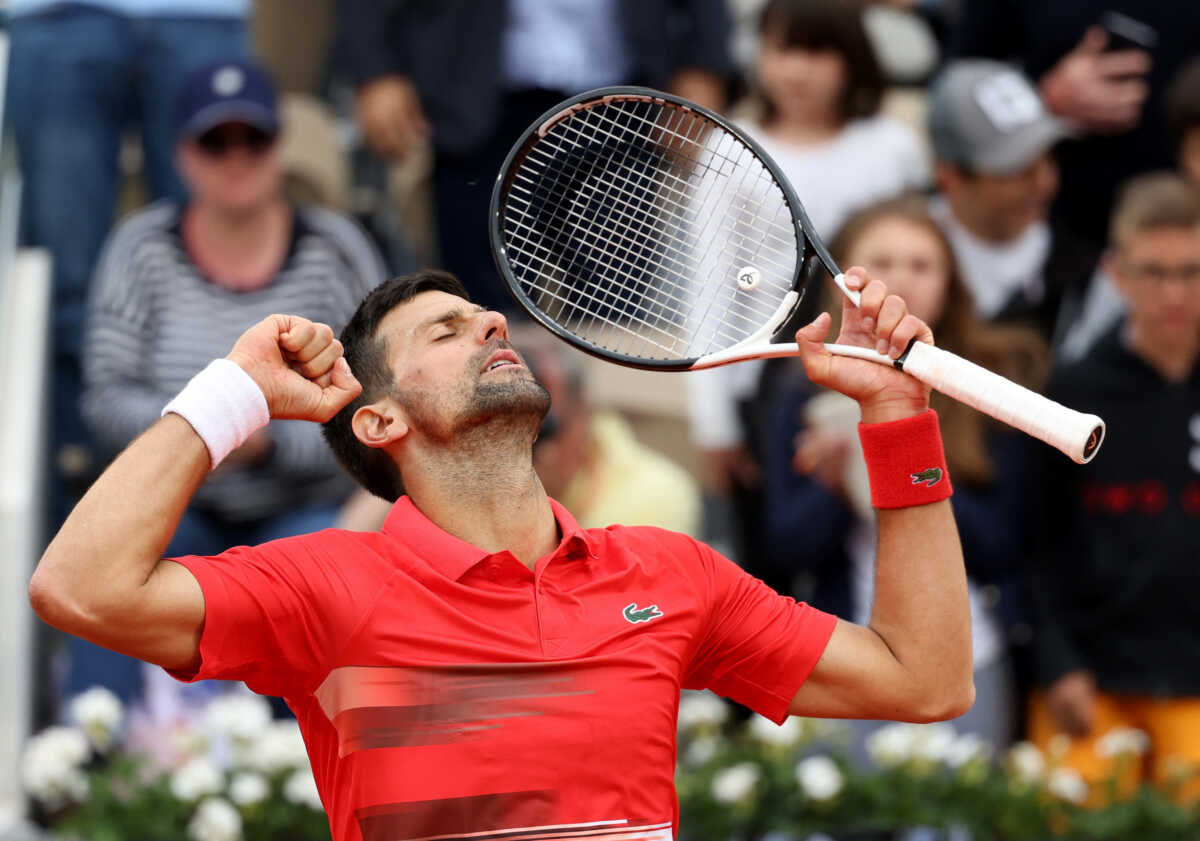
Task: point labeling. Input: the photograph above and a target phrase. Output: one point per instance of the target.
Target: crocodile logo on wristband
(930, 476)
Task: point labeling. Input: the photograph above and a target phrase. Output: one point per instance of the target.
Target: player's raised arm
(103, 577)
(912, 661)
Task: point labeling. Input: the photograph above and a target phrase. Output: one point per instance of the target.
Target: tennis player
(483, 665)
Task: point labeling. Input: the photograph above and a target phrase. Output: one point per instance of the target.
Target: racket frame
(805, 233)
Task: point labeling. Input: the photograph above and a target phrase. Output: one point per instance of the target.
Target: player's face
(910, 260)
(454, 367)
(1158, 273)
(233, 166)
(802, 84)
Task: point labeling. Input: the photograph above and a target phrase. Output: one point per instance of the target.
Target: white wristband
(224, 405)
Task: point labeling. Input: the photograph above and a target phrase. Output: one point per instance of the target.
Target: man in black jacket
(1118, 636)
(473, 76)
(1113, 94)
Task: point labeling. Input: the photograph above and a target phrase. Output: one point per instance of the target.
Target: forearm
(921, 611)
(109, 547)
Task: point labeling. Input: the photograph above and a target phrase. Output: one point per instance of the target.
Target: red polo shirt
(444, 691)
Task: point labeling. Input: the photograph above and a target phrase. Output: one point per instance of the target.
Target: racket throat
(758, 344)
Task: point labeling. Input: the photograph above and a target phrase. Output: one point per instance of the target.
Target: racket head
(647, 230)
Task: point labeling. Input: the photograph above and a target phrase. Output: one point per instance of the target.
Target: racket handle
(1074, 433)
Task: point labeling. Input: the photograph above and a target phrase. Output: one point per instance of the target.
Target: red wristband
(905, 461)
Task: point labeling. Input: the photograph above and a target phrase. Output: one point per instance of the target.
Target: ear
(379, 424)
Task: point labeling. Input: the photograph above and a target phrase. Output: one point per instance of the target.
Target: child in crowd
(815, 109)
(1118, 630)
(819, 517)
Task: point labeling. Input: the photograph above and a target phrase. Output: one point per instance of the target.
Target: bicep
(856, 677)
(166, 620)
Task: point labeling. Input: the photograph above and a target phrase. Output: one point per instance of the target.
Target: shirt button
(493, 571)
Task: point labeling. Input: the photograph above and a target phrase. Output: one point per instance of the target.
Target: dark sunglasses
(218, 141)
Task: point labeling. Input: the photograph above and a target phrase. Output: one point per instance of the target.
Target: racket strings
(629, 221)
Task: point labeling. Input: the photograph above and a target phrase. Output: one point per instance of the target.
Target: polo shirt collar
(452, 556)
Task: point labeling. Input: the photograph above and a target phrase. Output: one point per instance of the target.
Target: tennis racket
(648, 231)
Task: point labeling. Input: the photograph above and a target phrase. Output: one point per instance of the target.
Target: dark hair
(367, 356)
(828, 25)
(1183, 102)
(1013, 351)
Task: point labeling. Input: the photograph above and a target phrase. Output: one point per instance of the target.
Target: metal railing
(24, 362)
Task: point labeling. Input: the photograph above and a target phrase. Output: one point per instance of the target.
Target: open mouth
(502, 359)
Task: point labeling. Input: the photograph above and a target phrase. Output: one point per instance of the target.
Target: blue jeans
(78, 76)
(198, 534)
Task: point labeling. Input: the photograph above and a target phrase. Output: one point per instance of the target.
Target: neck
(978, 221)
(239, 250)
(1173, 355)
(484, 491)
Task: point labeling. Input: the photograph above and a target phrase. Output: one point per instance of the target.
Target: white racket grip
(1076, 434)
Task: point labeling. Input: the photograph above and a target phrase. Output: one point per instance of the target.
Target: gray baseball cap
(987, 117)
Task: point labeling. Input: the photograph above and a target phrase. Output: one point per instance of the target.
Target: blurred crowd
(1025, 174)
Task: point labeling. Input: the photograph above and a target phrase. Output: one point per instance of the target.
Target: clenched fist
(299, 366)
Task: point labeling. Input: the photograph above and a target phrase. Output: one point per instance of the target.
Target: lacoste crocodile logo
(633, 614)
(930, 476)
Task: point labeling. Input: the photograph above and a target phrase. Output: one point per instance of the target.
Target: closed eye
(449, 335)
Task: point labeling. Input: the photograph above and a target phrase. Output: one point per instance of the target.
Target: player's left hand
(883, 323)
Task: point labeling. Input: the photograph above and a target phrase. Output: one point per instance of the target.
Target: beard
(511, 407)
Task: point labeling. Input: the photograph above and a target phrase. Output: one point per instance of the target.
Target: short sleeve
(759, 647)
(276, 615)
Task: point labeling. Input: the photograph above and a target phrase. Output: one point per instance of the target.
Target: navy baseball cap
(234, 91)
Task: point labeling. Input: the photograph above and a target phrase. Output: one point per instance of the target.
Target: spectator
(1118, 639)
(79, 74)
(816, 112)
(510, 62)
(1103, 306)
(1113, 94)
(1183, 119)
(177, 284)
(996, 175)
(819, 518)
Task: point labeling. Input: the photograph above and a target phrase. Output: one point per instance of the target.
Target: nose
(491, 324)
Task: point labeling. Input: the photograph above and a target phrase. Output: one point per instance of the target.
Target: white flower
(768, 732)
(697, 709)
(700, 750)
(933, 742)
(820, 778)
(238, 716)
(966, 749)
(1026, 761)
(301, 789)
(1067, 784)
(196, 778)
(892, 744)
(99, 712)
(735, 783)
(248, 788)
(215, 820)
(1123, 740)
(52, 766)
(279, 747)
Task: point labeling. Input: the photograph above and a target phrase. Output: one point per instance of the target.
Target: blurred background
(1023, 173)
